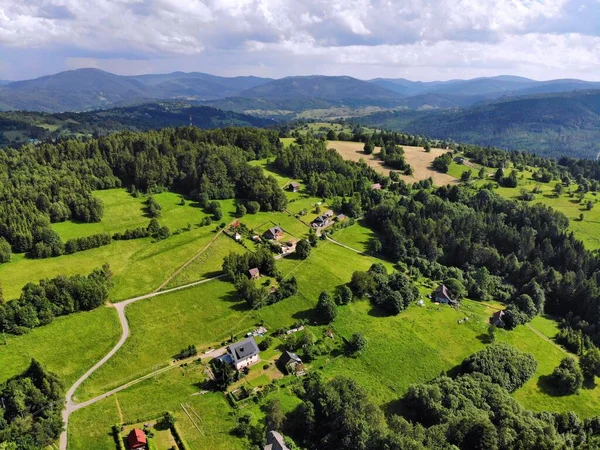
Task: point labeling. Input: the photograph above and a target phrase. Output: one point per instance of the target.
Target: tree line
(40, 303)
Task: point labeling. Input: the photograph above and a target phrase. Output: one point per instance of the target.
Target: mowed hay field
(417, 157)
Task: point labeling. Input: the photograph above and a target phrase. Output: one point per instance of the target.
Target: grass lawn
(139, 265)
(68, 346)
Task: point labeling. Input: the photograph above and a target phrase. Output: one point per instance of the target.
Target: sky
(415, 39)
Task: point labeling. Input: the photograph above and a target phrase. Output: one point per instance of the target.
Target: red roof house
(136, 439)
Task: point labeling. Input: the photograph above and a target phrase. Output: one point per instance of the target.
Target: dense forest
(30, 413)
(50, 183)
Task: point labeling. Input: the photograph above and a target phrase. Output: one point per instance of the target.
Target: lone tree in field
(567, 377)
(427, 147)
(303, 249)
(357, 343)
(326, 309)
(369, 148)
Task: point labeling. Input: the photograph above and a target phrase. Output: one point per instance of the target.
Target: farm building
(498, 319)
(294, 187)
(273, 233)
(340, 218)
(136, 439)
(254, 273)
(291, 363)
(376, 186)
(244, 353)
(275, 441)
(442, 295)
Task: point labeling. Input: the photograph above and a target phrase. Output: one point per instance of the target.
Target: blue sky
(415, 39)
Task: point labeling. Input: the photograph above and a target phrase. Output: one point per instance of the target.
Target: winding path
(71, 406)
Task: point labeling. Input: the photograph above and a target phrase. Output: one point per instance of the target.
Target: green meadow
(68, 346)
(139, 265)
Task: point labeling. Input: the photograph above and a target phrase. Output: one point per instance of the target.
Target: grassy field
(139, 265)
(122, 211)
(162, 326)
(568, 203)
(68, 346)
(417, 157)
(208, 264)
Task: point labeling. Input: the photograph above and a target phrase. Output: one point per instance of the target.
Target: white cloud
(442, 34)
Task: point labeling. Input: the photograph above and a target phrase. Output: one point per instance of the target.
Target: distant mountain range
(88, 89)
(557, 124)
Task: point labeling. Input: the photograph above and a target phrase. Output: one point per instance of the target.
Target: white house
(244, 353)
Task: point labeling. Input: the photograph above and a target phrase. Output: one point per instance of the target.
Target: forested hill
(19, 127)
(551, 124)
(85, 89)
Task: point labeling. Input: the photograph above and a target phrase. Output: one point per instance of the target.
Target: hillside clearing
(417, 157)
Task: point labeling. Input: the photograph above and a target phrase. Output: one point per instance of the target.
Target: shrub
(567, 377)
(504, 364)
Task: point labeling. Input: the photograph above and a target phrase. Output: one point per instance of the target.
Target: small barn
(294, 187)
(254, 273)
(136, 439)
(376, 186)
(442, 295)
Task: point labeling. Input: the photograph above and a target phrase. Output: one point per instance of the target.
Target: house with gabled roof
(275, 441)
(254, 273)
(291, 363)
(497, 319)
(136, 440)
(273, 233)
(442, 295)
(294, 187)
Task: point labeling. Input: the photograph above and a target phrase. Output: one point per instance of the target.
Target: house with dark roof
(294, 187)
(136, 439)
(244, 353)
(273, 233)
(323, 220)
(291, 363)
(275, 441)
(442, 295)
(497, 319)
(254, 273)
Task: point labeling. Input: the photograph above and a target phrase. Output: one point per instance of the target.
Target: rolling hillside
(336, 89)
(549, 124)
(17, 128)
(468, 92)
